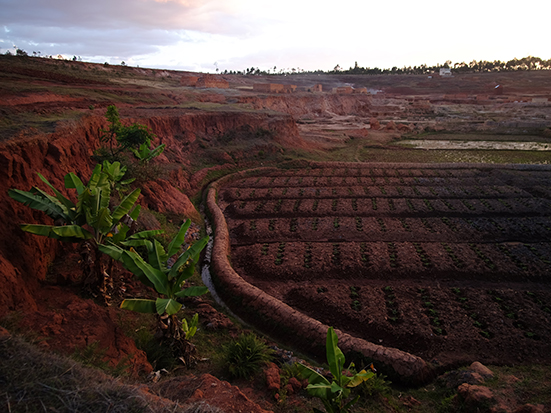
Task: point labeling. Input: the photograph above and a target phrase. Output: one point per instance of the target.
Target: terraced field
(444, 262)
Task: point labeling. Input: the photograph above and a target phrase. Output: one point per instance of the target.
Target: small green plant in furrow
(364, 257)
(469, 206)
(382, 225)
(359, 226)
(428, 204)
(242, 204)
(392, 307)
(354, 204)
(296, 206)
(336, 255)
(280, 254)
(512, 257)
(315, 205)
(252, 225)
(538, 254)
(487, 261)
(391, 204)
(427, 225)
(252, 193)
(284, 192)
(301, 192)
(456, 261)
(315, 224)
(486, 204)
(410, 205)
(260, 205)
(374, 203)
(449, 224)
(505, 203)
(336, 222)
(293, 225)
(308, 255)
(425, 260)
(264, 250)
(277, 206)
(448, 204)
(350, 191)
(404, 224)
(271, 224)
(334, 204)
(392, 254)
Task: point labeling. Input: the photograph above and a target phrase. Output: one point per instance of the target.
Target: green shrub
(246, 356)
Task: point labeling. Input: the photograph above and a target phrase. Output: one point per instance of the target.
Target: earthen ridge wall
(409, 367)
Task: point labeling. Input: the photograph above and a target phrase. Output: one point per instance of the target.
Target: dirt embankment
(313, 104)
(25, 259)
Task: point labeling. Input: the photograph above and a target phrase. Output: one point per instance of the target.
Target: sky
(205, 35)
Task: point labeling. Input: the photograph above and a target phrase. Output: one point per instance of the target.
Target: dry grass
(34, 381)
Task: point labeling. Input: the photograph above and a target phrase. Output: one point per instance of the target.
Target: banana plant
(115, 173)
(89, 220)
(334, 394)
(145, 153)
(157, 272)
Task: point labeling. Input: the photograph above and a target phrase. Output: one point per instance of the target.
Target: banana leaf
(48, 231)
(178, 240)
(145, 272)
(139, 305)
(157, 256)
(113, 251)
(167, 305)
(68, 204)
(146, 234)
(335, 357)
(126, 205)
(39, 202)
(193, 253)
(192, 292)
(73, 182)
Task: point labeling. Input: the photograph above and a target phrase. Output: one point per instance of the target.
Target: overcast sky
(201, 35)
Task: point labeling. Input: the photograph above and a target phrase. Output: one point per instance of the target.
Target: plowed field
(449, 264)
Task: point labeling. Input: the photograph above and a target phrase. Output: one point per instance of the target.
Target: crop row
(388, 206)
(232, 194)
(377, 259)
(447, 311)
(373, 228)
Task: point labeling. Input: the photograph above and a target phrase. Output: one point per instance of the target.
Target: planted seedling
(315, 224)
(271, 224)
(280, 253)
(359, 226)
(308, 255)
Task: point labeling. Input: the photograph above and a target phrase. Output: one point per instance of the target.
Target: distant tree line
(526, 63)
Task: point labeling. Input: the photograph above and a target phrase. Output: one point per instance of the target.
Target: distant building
(212, 81)
(444, 72)
(360, 90)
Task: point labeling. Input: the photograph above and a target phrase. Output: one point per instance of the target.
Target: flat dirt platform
(449, 263)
